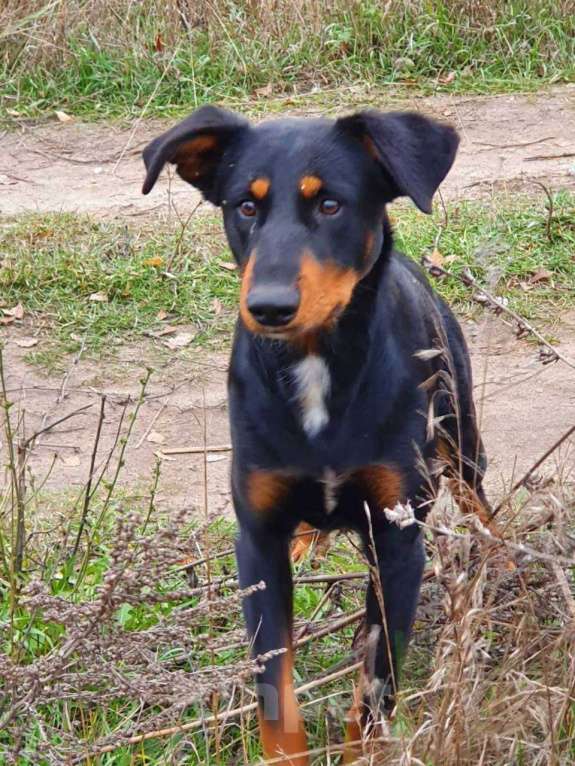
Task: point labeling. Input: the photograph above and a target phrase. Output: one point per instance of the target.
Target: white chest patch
(312, 385)
(331, 482)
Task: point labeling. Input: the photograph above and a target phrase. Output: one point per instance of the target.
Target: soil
(507, 142)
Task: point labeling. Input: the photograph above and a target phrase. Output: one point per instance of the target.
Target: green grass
(52, 264)
(237, 49)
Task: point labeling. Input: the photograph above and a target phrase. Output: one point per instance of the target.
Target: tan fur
(309, 186)
(260, 188)
(266, 489)
(325, 290)
(383, 484)
(195, 157)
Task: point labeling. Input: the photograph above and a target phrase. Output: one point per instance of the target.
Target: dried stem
(523, 326)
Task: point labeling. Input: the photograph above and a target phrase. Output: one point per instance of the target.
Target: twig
(308, 624)
(309, 579)
(332, 627)
(62, 394)
(87, 494)
(145, 109)
(512, 146)
(550, 209)
(532, 470)
(537, 157)
(151, 425)
(195, 450)
(200, 723)
(186, 564)
(34, 436)
(523, 325)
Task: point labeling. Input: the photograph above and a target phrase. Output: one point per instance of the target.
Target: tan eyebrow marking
(260, 187)
(309, 186)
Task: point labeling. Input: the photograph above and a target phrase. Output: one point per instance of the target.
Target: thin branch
(533, 468)
(56, 423)
(523, 325)
(195, 450)
(88, 493)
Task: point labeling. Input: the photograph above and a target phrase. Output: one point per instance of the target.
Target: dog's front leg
(263, 555)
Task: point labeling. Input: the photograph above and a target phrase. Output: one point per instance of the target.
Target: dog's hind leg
(397, 560)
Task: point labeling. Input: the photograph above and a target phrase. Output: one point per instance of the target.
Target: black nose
(273, 306)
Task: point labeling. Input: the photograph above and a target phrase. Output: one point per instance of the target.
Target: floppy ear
(195, 146)
(415, 152)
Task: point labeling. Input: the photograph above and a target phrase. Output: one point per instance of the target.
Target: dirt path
(95, 169)
(506, 142)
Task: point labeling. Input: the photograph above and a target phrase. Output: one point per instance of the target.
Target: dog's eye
(329, 206)
(248, 208)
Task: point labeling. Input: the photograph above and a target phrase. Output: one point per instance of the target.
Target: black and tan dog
(349, 386)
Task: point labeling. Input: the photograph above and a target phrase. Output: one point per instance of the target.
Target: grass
(114, 637)
(179, 54)
(54, 265)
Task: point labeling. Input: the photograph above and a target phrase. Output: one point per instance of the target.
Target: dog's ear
(195, 146)
(415, 152)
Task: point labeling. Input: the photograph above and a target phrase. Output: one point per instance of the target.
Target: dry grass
(115, 57)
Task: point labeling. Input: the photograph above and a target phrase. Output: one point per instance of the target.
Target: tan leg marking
(285, 736)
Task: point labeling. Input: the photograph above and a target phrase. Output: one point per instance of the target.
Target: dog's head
(303, 200)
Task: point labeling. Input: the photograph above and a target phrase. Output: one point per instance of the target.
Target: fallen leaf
(267, 90)
(217, 306)
(436, 258)
(6, 320)
(12, 112)
(181, 340)
(63, 117)
(71, 461)
(16, 313)
(215, 458)
(166, 330)
(26, 342)
(98, 298)
(448, 78)
(161, 315)
(228, 265)
(541, 275)
(450, 258)
(155, 260)
(155, 437)
(159, 44)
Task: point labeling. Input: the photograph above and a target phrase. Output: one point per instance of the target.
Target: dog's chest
(312, 384)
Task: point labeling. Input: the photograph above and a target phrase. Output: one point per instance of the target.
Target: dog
(350, 389)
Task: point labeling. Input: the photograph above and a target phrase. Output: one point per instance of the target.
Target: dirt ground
(507, 143)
